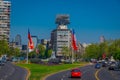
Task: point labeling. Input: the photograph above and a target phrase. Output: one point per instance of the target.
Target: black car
(104, 64)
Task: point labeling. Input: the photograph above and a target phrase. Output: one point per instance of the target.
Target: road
(12, 72)
(105, 74)
(88, 73)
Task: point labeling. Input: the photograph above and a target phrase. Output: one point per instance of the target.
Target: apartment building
(5, 19)
(61, 36)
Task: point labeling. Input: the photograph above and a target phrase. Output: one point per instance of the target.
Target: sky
(89, 18)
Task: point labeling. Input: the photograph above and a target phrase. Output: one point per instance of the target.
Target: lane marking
(96, 74)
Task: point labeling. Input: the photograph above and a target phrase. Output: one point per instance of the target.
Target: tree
(115, 49)
(41, 49)
(16, 52)
(32, 54)
(92, 51)
(110, 48)
(4, 48)
(11, 52)
(49, 52)
(104, 48)
(65, 52)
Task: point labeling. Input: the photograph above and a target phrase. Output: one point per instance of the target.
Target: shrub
(35, 60)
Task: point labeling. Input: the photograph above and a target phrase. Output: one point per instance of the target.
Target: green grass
(39, 71)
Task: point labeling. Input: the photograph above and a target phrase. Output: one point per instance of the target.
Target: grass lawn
(39, 71)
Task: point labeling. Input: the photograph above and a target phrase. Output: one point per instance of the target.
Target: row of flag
(73, 41)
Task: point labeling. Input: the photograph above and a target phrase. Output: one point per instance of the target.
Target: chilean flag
(30, 42)
(74, 45)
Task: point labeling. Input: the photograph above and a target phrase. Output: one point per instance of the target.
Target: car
(4, 59)
(14, 59)
(104, 64)
(1, 62)
(97, 66)
(114, 66)
(76, 73)
(67, 61)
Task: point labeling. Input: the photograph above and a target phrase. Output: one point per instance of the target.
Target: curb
(28, 74)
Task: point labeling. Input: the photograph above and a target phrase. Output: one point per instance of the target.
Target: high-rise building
(5, 19)
(61, 36)
(18, 39)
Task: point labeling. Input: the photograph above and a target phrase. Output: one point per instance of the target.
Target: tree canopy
(109, 48)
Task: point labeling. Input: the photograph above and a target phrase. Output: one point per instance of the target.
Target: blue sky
(90, 18)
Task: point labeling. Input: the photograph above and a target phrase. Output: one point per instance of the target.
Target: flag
(30, 42)
(74, 45)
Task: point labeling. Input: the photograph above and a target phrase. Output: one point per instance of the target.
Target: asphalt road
(12, 72)
(88, 73)
(105, 74)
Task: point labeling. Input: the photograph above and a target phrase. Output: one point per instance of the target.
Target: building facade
(61, 37)
(18, 39)
(5, 19)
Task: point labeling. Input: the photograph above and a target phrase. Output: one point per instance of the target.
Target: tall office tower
(35, 41)
(18, 39)
(5, 19)
(102, 39)
(61, 36)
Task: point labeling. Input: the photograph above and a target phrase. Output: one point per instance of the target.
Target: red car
(76, 73)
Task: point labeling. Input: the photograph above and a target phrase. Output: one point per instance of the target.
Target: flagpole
(27, 47)
(27, 54)
(71, 48)
(72, 56)
(30, 45)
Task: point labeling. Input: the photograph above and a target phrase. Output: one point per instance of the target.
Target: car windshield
(76, 70)
(97, 64)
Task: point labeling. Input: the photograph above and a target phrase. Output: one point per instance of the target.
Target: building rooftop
(62, 19)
